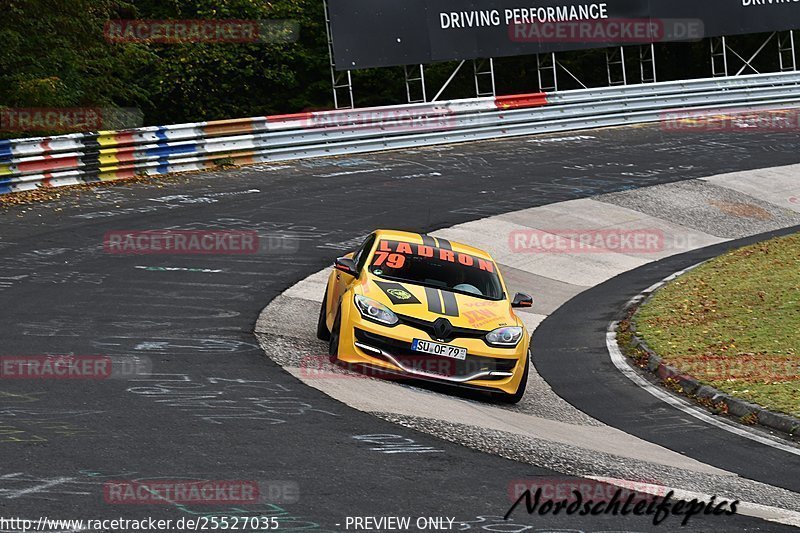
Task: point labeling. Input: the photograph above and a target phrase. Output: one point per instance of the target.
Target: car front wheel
(333, 344)
(322, 328)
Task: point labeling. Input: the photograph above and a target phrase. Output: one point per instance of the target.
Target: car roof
(408, 236)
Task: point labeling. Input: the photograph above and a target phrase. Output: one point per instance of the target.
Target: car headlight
(506, 337)
(376, 311)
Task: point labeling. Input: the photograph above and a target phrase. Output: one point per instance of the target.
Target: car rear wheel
(523, 383)
(333, 344)
(322, 328)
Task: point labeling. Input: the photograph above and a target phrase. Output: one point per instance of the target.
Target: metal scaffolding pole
(719, 56)
(545, 66)
(616, 58)
(647, 54)
(422, 96)
(484, 68)
(341, 81)
(447, 83)
(748, 62)
(786, 51)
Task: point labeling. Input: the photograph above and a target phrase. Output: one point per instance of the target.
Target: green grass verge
(734, 323)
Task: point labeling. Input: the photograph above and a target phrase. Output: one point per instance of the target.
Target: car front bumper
(388, 349)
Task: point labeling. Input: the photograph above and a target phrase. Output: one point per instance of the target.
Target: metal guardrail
(26, 164)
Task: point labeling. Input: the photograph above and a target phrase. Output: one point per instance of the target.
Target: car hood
(429, 304)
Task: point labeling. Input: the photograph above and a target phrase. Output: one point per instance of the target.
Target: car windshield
(436, 267)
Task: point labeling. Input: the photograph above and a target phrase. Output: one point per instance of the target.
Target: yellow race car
(415, 306)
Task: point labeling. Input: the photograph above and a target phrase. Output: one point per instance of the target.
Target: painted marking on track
(507, 525)
(179, 269)
(622, 365)
(67, 277)
(171, 345)
(20, 398)
(412, 176)
(222, 400)
(563, 139)
(39, 488)
(349, 172)
(208, 198)
(391, 444)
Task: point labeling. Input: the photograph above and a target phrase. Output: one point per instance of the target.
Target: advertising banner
(381, 33)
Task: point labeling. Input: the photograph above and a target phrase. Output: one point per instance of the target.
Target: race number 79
(391, 260)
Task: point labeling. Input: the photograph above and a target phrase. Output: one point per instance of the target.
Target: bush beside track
(733, 323)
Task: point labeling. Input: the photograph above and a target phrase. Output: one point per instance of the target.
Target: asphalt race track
(212, 406)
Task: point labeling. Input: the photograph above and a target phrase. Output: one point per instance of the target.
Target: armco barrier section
(79, 158)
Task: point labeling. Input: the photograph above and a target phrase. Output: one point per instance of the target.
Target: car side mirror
(522, 300)
(346, 265)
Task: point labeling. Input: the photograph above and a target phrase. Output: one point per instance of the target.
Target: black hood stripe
(444, 244)
(450, 303)
(434, 301)
(427, 240)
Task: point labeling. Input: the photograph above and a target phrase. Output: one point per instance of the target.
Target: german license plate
(434, 348)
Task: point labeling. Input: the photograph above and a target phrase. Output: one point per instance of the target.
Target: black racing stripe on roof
(444, 244)
(427, 240)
